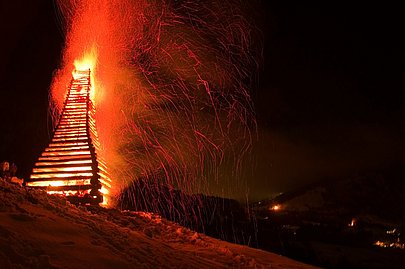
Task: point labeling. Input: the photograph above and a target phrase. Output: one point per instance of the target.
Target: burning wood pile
(70, 166)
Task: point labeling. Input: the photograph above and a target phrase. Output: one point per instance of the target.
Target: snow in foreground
(41, 231)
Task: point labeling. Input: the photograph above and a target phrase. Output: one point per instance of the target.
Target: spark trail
(171, 80)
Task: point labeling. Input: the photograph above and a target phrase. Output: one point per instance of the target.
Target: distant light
(352, 223)
(275, 207)
(386, 244)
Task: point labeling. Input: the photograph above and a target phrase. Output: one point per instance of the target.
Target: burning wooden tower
(70, 165)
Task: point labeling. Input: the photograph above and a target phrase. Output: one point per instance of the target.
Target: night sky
(329, 98)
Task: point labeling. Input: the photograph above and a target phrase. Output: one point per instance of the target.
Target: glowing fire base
(70, 166)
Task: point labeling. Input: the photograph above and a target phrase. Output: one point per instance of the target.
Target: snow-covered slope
(42, 231)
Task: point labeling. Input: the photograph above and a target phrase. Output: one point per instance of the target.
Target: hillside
(41, 231)
(349, 222)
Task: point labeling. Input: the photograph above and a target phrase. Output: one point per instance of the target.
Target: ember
(172, 99)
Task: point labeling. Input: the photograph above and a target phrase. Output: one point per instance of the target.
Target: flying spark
(172, 84)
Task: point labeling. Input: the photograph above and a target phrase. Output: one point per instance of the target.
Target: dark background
(30, 50)
(329, 99)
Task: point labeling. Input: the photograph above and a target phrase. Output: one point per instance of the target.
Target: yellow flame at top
(86, 62)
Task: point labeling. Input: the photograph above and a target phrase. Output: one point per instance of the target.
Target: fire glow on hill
(171, 83)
